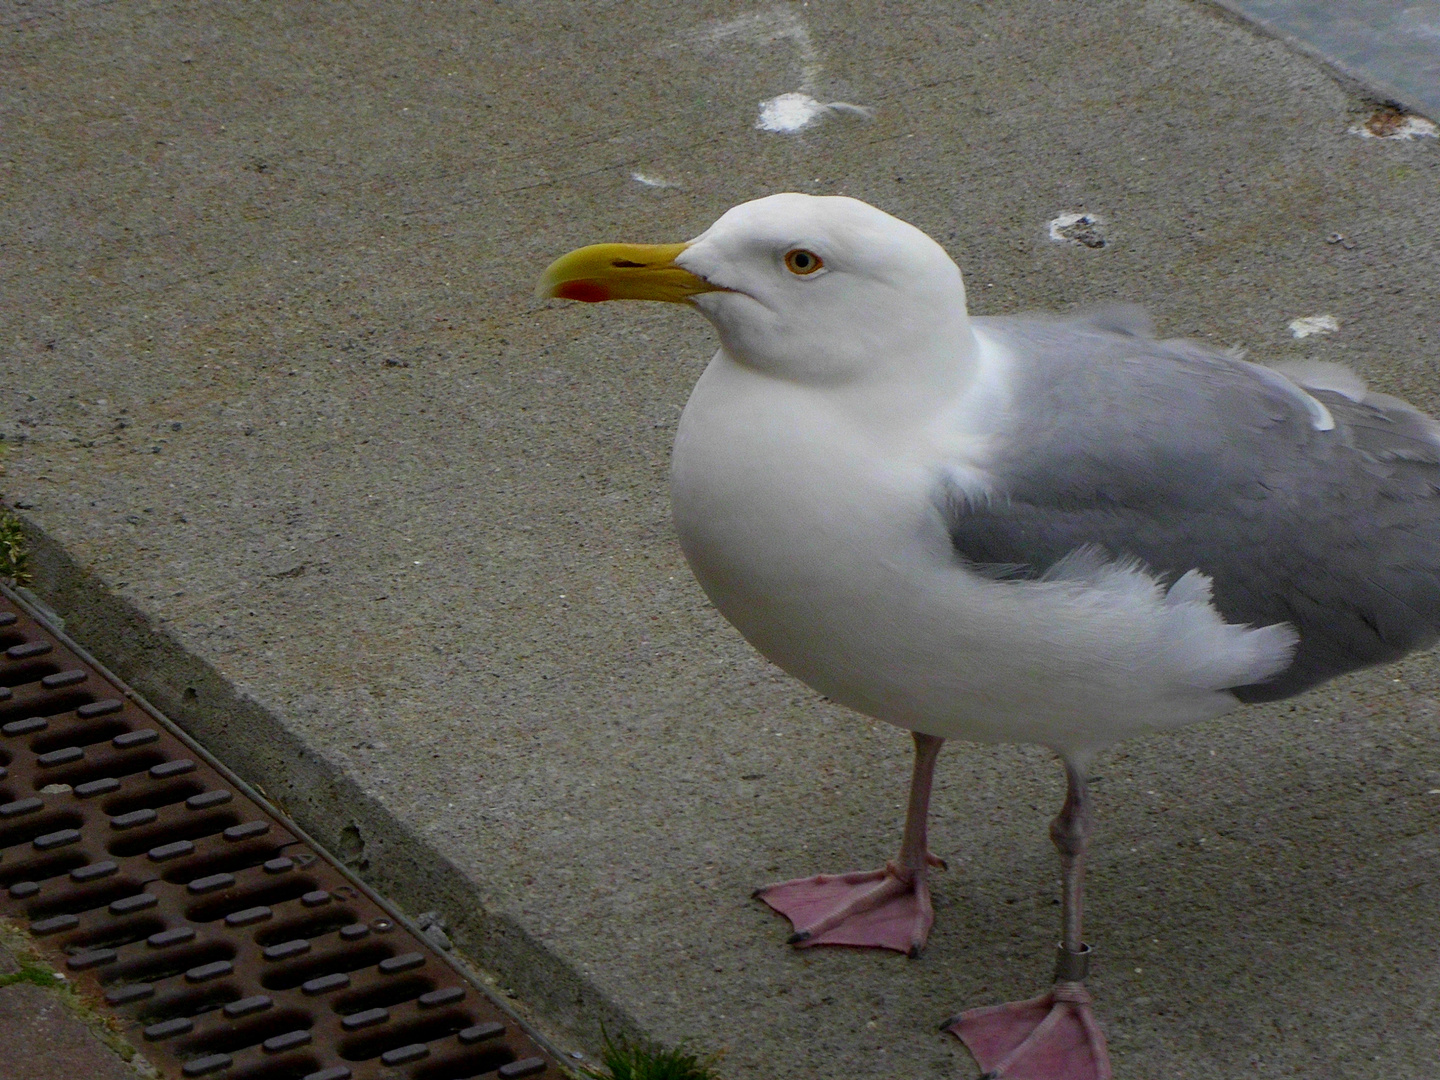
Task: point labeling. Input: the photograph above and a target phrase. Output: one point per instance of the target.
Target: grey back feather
(1185, 458)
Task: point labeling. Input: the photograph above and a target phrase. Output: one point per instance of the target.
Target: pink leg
(887, 909)
(1054, 1036)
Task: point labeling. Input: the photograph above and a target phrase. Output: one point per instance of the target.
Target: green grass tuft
(33, 973)
(625, 1060)
(14, 556)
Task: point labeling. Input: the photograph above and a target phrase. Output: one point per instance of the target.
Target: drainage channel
(224, 940)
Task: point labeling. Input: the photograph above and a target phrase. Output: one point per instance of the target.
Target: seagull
(1035, 529)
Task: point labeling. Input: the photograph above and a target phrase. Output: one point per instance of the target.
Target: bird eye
(802, 262)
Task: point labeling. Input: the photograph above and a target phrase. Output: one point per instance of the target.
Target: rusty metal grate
(226, 943)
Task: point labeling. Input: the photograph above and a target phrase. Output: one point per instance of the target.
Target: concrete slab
(45, 1040)
(308, 465)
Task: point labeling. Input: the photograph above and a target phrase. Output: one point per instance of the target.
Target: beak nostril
(624, 264)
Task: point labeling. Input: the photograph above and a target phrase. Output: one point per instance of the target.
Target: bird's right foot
(885, 909)
(1051, 1037)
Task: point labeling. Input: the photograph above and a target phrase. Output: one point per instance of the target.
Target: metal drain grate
(227, 944)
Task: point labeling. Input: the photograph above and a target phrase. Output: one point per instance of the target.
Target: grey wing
(1317, 508)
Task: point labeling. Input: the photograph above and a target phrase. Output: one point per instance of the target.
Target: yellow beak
(622, 272)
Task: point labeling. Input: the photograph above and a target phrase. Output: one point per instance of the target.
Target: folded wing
(1305, 499)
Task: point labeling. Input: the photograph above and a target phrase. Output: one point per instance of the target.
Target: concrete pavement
(307, 464)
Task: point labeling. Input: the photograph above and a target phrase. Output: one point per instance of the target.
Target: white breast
(809, 535)
(817, 535)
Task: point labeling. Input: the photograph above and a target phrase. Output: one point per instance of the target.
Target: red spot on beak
(587, 292)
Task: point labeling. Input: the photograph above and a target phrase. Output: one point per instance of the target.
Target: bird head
(809, 288)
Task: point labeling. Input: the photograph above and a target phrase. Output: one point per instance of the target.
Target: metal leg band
(1072, 966)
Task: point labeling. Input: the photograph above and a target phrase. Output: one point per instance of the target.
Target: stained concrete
(303, 458)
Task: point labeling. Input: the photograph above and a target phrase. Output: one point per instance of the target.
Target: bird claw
(886, 909)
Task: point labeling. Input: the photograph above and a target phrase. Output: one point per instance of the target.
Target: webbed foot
(1051, 1037)
(886, 909)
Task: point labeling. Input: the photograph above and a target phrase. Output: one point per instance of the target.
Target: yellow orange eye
(802, 262)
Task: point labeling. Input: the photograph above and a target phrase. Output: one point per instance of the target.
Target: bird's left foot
(1051, 1037)
(886, 909)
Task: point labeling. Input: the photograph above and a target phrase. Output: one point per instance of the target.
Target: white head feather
(884, 291)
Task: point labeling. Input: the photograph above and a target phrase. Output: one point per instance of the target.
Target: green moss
(14, 555)
(32, 973)
(625, 1060)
